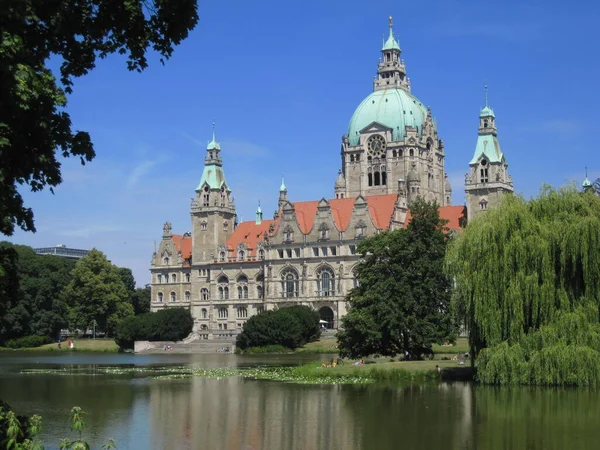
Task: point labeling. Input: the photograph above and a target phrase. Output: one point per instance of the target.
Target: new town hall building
(391, 154)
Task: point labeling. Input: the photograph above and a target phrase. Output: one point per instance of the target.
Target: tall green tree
(402, 303)
(96, 292)
(9, 287)
(526, 267)
(35, 129)
(141, 300)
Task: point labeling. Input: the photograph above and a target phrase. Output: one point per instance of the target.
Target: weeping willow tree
(528, 269)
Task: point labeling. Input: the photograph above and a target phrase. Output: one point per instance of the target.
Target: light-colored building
(391, 154)
(62, 250)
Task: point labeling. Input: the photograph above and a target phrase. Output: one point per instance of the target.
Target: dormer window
(483, 204)
(241, 255)
(261, 254)
(166, 261)
(221, 256)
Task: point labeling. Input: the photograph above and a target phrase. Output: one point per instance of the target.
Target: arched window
(259, 291)
(187, 277)
(159, 297)
(370, 177)
(260, 309)
(159, 278)
(240, 292)
(394, 153)
(204, 313)
(242, 312)
(204, 327)
(400, 153)
(377, 179)
(245, 289)
(173, 278)
(173, 296)
(325, 282)
(223, 313)
(226, 292)
(221, 256)
(241, 255)
(289, 282)
(261, 254)
(203, 225)
(225, 226)
(188, 296)
(166, 261)
(383, 178)
(223, 280)
(242, 279)
(204, 293)
(412, 152)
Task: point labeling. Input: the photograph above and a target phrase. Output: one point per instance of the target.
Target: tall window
(160, 297)
(240, 292)
(261, 254)
(242, 312)
(173, 278)
(159, 278)
(288, 234)
(289, 280)
(204, 313)
(223, 313)
(241, 255)
(325, 282)
(173, 296)
(166, 261)
(260, 309)
(204, 293)
(187, 277)
(259, 291)
(323, 231)
(204, 225)
(221, 256)
(188, 296)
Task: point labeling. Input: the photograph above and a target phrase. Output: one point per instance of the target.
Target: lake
(143, 412)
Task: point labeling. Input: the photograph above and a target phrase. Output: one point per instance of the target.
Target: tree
(96, 292)
(141, 300)
(9, 287)
(170, 324)
(402, 302)
(34, 126)
(523, 269)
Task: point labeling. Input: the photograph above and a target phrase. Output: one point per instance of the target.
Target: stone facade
(227, 272)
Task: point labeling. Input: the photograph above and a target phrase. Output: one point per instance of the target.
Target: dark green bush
(290, 327)
(28, 341)
(171, 324)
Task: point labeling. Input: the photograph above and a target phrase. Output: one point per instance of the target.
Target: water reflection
(233, 413)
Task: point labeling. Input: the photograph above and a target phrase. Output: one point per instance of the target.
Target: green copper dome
(394, 108)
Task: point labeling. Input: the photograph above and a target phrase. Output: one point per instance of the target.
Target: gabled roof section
(249, 233)
(381, 209)
(183, 245)
(341, 210)
(305, 215)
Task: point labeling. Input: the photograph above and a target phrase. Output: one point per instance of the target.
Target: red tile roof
(183, 244)
(381, 209)
(249, 233)
(341, 210)
(455, 215)
(305, 214)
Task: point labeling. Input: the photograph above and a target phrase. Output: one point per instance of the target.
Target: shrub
(28, 341)
(289, 327)
(171, 324)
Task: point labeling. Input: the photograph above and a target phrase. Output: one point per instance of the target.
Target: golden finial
(391, 22)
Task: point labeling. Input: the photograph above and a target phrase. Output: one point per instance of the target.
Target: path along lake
(128, 399)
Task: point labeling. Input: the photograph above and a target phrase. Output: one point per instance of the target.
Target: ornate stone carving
(167, 229)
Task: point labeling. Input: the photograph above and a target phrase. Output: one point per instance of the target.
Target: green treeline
(527, 287)
(41, 294)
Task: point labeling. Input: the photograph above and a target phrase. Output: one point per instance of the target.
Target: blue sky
(282, 79)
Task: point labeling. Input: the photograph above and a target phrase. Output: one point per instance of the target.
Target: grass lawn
(320, 346)
(330, 346)
(81, 345)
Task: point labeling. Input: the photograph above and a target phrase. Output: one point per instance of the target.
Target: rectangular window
(289, 252)
(352, 250)
(297, 252)
(315, 251)
(280, 254)
(220, 326)
(333, 251)
(324, 251)
(224, 326)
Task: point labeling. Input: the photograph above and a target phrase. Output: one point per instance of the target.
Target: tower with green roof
(213, 207)
(488, 179)
(390, 134)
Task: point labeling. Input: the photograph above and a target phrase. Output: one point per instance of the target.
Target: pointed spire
(486, 111)
(587, 184)
(259, 214)
(213, 145)
(282, 188)
(391, 43)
